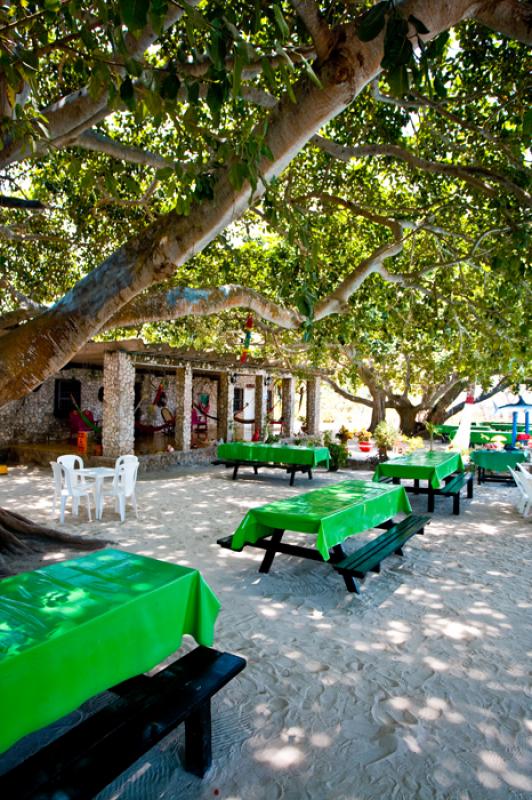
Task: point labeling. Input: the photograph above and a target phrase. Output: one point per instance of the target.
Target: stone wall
(32, 418)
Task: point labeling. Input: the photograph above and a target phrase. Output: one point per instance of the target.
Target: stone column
(288, 405)
(183, 411)
(313, 406)
(226, 396)
(118, 405)
(261, 397)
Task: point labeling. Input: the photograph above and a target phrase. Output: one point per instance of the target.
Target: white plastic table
(99, 474)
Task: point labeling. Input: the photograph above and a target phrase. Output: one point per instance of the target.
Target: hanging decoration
(248, 327)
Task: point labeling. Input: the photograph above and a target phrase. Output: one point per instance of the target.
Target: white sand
(415, 689)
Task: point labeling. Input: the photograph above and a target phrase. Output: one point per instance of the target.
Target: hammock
(252, 421)
(88, 422)
(203, 412)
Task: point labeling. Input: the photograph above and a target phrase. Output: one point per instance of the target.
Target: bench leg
(396, 480)
(292, 476)
(338, 554)
(479, 475)
(470, 484)
(456, 504)
(235, 471)
(198, 748)
(267, 561)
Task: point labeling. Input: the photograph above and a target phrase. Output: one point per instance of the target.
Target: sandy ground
(418, 688)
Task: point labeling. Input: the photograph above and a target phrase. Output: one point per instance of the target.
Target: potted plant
(364, 440)
(338, 452)
(344, 435)
(385, 436)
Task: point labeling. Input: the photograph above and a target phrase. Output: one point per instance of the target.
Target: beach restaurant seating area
(99, 623)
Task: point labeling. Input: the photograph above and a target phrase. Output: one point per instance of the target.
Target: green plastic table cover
(483, 435)
(71, 630)
(424, 465)
(333, 513)
(497, 460)
(274, 453)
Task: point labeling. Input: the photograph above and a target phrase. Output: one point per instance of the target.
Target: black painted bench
(143, 710)
(454, 487)
(290, 469)
(368, 558)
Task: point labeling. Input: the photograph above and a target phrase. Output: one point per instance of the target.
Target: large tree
(200, 107)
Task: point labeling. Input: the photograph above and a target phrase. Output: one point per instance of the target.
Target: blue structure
(521, 405)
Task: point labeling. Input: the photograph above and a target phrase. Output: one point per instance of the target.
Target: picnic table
(73, 629)
(496, 462)
(332, 514)
(432, 466)
(77, 628)
(291, 458)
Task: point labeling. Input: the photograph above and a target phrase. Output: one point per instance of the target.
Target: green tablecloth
(497, 460)
(478, 435)
(274, 453)
(333, 513)
(424, 465)
(71, 630)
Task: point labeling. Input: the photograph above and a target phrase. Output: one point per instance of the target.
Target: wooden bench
(454, 486)
(368, 558)
(290, 469)
(143, 710)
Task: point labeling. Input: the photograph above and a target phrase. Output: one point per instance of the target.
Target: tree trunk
(439, 413)
(378, 410)
(407, 417)
(13, 526)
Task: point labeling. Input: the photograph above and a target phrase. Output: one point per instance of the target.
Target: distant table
(292, 458)
(433, 466)
(332, 514)
(496, 462)
(99, 474)
(72, 630)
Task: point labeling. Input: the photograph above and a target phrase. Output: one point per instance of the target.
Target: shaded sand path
(416, 689)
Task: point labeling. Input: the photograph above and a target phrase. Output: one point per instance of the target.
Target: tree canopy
(383, 145)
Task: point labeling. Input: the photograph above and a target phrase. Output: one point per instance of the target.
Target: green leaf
(281, 22)
(133, 67)
(216, 94)
(193, 90)
(127, 92)
(397, 47)
(527, 123)
(170, 87)
(164, 173)
(134, 13)
(418, 25)
(399, 81)
(158, 11)
(372, 23)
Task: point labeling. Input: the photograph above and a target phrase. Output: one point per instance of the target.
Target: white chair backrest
(125, 460)
(58, 476)
(70, 461)
(525, 472)
(126, 476)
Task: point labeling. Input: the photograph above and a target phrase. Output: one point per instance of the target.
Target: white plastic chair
(66, 485)
(524, 486)
(123, 486)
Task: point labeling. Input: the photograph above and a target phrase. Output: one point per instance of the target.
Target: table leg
(338, 554)
(310, 474)
(416, 485)
(235, 471)
(292, 476)
(267, 561)
(430, 503)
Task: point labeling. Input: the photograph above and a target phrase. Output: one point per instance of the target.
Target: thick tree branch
(321, 35)
(183, 302)
(92, 140)
(353, 398)
(470, 174)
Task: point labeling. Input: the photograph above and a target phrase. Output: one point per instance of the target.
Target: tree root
(20, 536)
